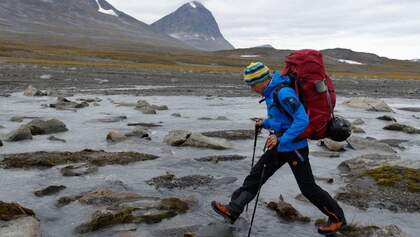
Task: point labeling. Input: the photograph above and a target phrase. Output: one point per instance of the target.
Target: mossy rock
(167, 208)
(11, 211)
(390, 176)
(49, 159)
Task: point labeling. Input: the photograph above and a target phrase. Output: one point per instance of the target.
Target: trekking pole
(256, 200)
(253, 153)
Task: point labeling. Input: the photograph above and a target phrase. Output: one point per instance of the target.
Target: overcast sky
(389, 28)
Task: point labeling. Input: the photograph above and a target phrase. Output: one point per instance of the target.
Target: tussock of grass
(390, 176)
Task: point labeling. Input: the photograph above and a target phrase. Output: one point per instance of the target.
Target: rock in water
(402, 128)
(201, 141)
(387, 118)
(56, 139)
(176, 137)
(287, 212)
(360, 143)
(1, 143)
(115, 136)
(358, 122)
(231, 134)
(12, 211)
(32, 91)
(411, 109)
(369, 104)
(40, 127)
(78, 170)
(20, 134)
(360, 164)
(216, 159)
(332, 145)
(49, 190)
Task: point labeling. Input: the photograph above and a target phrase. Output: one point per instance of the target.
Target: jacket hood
(276, 79)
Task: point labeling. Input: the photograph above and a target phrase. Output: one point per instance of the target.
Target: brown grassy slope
(187, 61)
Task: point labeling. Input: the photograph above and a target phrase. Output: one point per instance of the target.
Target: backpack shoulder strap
(276, 101)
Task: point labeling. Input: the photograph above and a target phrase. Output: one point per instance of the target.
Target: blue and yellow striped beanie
(256, 73)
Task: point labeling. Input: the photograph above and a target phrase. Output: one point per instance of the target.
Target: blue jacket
(278, 121)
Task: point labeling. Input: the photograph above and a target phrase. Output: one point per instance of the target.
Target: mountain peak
(195, 25)
(194, 4)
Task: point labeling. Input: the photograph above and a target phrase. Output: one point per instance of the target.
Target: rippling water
(18, 185)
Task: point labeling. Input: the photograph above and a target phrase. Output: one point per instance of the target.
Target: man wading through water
(282, 148)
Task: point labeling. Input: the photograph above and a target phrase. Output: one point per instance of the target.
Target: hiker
(283, 146)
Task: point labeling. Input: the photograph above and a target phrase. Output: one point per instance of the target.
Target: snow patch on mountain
(250, 56)
(350, 62)
(108, 12)
(192, 4)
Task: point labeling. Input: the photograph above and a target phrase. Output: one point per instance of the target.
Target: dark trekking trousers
(304, 177)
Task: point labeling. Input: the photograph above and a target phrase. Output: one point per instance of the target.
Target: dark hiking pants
(304, 177)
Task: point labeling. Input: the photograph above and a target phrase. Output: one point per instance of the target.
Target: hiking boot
(332, 227)
(224, 211)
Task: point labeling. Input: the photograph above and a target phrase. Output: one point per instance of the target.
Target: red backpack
(315, 90)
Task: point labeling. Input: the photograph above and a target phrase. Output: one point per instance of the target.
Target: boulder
(20, 134)
(358, 121)
(232, 134)
(147, 108)
(165, 209)
(78, 170)
(356, 230)
(356, 129)
(138, 132)
(394, 142)
(41, 127)
(176, 137)
(170, 181)
(201, 141)
(287, 212)
(369, 104)
(54, 189)
(387, 118)
(115, 136)
(332, 145)
(44, 159)
(362, 163)
(22, 227)
(32, 91)
(107, 196)
(360, 143)
(12, 211)
(402, 128)
(65, 104)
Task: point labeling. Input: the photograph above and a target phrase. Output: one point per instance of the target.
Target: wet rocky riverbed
(126, 165)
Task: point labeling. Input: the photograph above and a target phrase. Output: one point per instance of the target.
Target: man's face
(259, 88)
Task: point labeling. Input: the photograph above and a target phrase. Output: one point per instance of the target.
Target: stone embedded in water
(201, 141)
(287, 212)
(360, 164)
(32, 91)
(216, 159)
(356, 129)
(369, 104)
(329, 154)
(410, 109)
(41, 127)
(12, 211)
(44, 159)
(107, 196)
(358, 121)
(387, 118)
(53, 189)
(240, 134)
(138, 132)
(402, 128)
(169, 181)
(176, 137)
(178, 115)
(360, 143)
(332, 145)
(78, 170)
(115, 136)
(20, 134)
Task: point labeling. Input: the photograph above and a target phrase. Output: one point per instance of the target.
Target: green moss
(103, 220)
(50, 159)
(174, 204)
(390, 176)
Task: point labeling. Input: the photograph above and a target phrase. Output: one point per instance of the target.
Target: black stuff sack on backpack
(339, 129)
